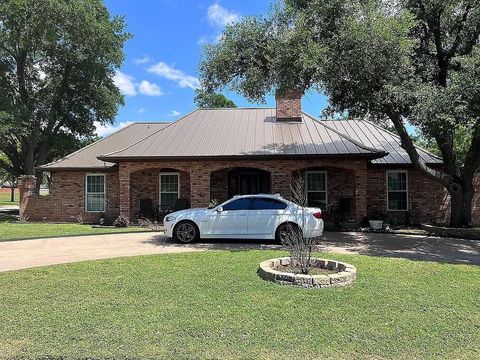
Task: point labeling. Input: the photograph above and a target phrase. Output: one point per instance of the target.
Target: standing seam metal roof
(86, 158)
(242, 132)
(379, 138)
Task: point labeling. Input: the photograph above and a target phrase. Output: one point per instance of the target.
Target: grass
(12, 230)
(5, 197)
(213, 305)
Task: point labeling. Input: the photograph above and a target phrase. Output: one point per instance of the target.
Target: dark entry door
(249, 184)
(245, 181)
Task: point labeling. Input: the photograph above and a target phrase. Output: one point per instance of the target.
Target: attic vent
(289, 106)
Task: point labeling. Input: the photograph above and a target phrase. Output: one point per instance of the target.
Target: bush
(121, 221)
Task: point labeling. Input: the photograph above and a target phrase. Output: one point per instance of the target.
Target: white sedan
(245, 217)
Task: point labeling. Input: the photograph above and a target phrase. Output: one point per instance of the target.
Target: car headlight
(169, 218)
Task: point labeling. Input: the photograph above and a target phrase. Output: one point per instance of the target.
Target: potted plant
(375, 220)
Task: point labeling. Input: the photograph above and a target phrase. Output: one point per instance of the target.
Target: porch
(330, 186)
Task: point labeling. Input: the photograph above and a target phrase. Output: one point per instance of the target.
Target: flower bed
(344, 274)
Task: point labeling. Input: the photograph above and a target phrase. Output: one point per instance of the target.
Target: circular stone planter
(345, 273)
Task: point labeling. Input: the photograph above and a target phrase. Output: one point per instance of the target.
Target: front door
(249, 184)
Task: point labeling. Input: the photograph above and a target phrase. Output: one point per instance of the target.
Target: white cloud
(142, 60)
(150, 89)
(125, 83)
(175, 113)
(141, 110)
(168, 72)
(219, 16)
(104, 130)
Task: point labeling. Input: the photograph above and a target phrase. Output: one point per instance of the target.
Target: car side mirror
(219, 209)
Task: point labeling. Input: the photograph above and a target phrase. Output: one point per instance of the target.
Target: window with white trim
(316, 185)
(397, 190)
(169, 188)
(95, 193)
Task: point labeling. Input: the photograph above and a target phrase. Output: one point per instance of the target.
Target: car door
(263, 218)
(231, 221)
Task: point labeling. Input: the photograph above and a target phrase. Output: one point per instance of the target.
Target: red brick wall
(66, 201)
(145, 186)
(428, 200)
(200, 174)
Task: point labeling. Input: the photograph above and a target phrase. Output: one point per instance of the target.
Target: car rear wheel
(186, 232)
(284, 231)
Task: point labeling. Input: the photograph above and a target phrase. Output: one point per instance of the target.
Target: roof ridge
(348, 138)
(397, 136)
(146, 137)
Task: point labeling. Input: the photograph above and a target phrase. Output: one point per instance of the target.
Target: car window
(240, 204)
(268, 204)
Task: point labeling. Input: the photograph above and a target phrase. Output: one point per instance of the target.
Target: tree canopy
(204, 99)
(57, 62)
(409, 61)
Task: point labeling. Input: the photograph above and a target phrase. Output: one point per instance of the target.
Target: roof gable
(86, 157)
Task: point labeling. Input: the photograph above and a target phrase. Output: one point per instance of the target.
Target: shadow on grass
(413, 247)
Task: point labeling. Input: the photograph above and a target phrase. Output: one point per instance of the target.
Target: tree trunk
(461, 204)
(12, 194)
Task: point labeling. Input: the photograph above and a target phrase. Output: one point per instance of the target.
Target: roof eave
(367, 156)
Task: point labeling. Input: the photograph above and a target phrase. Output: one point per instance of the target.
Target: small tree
(299, 246)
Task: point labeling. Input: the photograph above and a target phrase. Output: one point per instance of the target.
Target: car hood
(191, 212)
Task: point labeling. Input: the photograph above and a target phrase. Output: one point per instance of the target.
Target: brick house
(217, 153)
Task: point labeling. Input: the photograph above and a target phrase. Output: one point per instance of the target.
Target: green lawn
(11, 230)
(213, 305)
(5, 197)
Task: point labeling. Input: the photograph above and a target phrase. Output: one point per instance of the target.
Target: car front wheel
(186, 232)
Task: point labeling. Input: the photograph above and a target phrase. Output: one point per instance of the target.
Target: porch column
(200, 187)
(124, 180)
(281, 182)
(27, 185)
(360, 193)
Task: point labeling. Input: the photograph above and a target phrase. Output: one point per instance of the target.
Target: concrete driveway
(23, 254)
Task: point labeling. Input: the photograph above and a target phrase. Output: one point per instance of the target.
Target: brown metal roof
(86, 158)
(242, 132)
(374, 136)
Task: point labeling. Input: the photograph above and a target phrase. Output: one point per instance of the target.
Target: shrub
(121, 221)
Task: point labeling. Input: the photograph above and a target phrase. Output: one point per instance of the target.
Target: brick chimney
(289, 105)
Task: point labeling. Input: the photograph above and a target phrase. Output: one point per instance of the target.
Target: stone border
(345, 276)
(459, 233)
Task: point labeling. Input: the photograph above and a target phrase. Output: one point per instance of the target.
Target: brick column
(200, 187)
(281, 182)
(360, 193)
(124, 198)
(27, 185)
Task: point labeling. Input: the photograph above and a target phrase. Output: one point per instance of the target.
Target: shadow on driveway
(414, 247)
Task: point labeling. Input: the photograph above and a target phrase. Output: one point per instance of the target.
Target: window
(397, 190)
(240, 204)
(169, 188)
(268, 204)
(95, 193)
(316, 184)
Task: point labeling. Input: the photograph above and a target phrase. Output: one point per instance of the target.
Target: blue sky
(159, 74)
